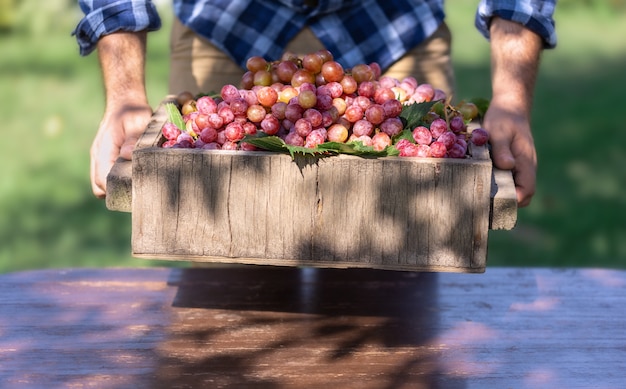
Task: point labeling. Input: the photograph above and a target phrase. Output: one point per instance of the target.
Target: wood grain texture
(341, 211)
(270, 327)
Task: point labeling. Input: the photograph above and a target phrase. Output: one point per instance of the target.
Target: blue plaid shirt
(354, 31)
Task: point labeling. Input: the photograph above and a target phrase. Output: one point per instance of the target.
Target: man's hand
(127, 113)
(512, 148)
(119, 130)
(515, 53)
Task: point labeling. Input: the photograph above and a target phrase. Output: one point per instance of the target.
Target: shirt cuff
(537, 18)
(129, 16)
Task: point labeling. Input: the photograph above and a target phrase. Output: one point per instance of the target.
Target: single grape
(422, 135)
(239, 106)
(250, 128)
(293, 112)
(256, 63)
(332, 71)
(229, 92)
(362, 73)
(392, 126)
(348, 84)
(278, 110)
(215, 120)
(362, 127)
(388, 82)
(367, 89)
(468, 109)
(337, 133)
(302, 76)
(402, 143)
(312, 62)
(270, 124)
(448, 139)
(381, 141)
(409, 150)
(314, 117)
(170, 131)
(294, 139)
(256, 113)
(392, 108)
(479, 136)
(438, 127)
(457, 124)
(375, 113)
(267, 96)
(438, 149)
(303, 127)
(263, 78)
(354, 113)
(307, 99)
(206, 105)
(234, 132)
(457, 151)
(285, 71)
(423, 93)
(226, 114)
(208, 135)
(423, 151)
(362, 102)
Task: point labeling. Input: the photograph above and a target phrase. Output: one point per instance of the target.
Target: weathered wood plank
(273, 327)
(340, 210)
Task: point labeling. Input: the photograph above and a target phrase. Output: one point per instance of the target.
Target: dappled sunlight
(605, 277)
(538, 305)
(463, 342)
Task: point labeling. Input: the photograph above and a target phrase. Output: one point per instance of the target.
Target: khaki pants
(199, 67)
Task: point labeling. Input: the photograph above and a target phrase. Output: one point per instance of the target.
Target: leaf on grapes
(174, 116)
(356, 148)
(266, 142)
(412, 115)
(405, 134)
(276, 144)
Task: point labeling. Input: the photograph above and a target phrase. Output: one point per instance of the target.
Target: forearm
(515, 53)
(122, 58)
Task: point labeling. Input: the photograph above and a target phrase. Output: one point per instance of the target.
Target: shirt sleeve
(104, 17)
(536, 15)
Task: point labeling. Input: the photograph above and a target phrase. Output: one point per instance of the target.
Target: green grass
(51, 102)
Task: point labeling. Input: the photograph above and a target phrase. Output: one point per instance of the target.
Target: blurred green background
(51, 102)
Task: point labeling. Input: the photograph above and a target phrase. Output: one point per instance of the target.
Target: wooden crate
(343, 211)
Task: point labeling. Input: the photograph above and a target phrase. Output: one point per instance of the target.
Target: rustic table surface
(272, 327)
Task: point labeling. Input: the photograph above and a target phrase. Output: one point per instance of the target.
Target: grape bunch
(310, 100)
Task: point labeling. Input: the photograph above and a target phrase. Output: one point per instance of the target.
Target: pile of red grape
(312, 100)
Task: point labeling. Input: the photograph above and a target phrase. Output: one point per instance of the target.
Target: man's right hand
(117, 135)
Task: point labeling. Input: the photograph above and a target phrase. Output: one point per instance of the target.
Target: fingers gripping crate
(255, 207)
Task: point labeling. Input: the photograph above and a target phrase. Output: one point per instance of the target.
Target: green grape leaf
(357, 148)
(174, 116)
(413, 114)
(275, 144)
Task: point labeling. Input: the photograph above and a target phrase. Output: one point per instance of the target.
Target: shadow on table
(303, 327)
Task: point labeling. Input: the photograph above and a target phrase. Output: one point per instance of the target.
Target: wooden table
(272, 327)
